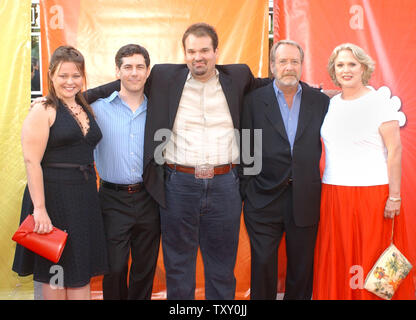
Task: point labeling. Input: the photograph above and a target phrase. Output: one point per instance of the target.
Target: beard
(201, 69)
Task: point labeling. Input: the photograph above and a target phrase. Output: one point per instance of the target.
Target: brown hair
(201, 29)
(130, 50)
(60, 55)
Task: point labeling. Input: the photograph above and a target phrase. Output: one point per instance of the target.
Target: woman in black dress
(58, 139)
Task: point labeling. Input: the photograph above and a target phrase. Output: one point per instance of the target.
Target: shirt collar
(116, 94)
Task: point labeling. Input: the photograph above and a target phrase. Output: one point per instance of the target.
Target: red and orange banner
(383, 28)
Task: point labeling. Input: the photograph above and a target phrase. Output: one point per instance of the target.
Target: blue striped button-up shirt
(290, 115)
(119, 154)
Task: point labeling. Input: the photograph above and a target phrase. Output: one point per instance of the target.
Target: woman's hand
(42, 222)
(392, 209)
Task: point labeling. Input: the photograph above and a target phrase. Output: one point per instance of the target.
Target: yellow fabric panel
(14, 105)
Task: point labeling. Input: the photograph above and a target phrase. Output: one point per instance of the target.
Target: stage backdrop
(383, 28)
(14, 105)
(158, 25)
(99, 28)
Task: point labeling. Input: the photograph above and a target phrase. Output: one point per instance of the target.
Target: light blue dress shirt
(119, 154)
(290, 115)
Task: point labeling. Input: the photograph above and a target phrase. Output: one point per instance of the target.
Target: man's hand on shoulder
(36, 101)
(331, 93)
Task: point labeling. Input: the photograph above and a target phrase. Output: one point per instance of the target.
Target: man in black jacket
(285, 195)
(190, 157)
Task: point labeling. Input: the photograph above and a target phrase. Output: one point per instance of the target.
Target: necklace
(76, 111)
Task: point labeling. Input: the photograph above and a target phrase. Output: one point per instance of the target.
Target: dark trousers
(202, 213)
(132, 225)
(265, 228)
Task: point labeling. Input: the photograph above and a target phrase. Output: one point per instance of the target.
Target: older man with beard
(285, 195)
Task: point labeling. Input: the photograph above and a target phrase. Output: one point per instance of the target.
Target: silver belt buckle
(204, 171)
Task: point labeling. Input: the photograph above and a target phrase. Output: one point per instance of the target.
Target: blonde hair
(362, 57)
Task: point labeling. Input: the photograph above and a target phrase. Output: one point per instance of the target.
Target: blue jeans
(201, 213)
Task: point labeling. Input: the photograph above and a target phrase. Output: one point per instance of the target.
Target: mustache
(289, 74)
(199, 61)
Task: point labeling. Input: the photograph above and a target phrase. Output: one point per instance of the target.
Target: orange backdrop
(383, 28)
(99, 28)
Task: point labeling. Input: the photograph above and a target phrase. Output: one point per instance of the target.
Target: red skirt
(352, 234)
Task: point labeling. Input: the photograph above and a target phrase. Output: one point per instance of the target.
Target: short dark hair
(201, 29)
(129, 50)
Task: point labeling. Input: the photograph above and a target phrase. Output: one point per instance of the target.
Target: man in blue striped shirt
(131, 216)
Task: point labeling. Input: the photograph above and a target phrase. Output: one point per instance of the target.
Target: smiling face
(133, 73)
(200, 57)
(287, 66)
(348, 70)
(67, 81)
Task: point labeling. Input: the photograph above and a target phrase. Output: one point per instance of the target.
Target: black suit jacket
(261, 111)
(164, 90)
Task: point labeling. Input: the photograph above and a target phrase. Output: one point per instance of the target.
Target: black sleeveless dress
(72, 204)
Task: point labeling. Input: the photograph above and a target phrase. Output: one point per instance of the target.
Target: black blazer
(261, 111)
(164, 90)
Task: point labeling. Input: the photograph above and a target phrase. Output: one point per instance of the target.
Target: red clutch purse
(49, 245)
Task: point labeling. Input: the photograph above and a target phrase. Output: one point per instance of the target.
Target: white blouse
(355, 154)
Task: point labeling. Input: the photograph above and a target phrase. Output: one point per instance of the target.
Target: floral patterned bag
(388, 272)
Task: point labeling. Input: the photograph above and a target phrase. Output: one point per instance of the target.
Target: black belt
(130, 188)
(84, 168)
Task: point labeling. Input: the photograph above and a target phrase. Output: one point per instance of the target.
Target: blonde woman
(361, 182)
